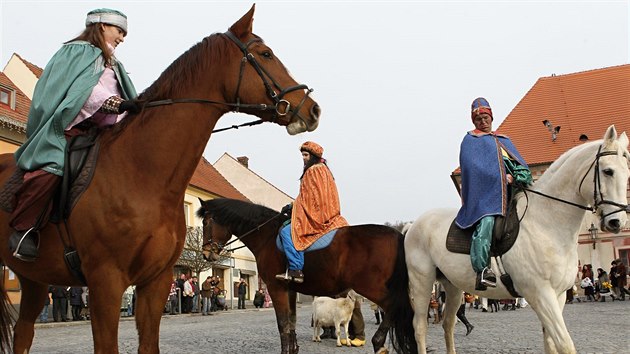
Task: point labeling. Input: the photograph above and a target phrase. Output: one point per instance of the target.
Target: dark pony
(128, 227)
(367, 258)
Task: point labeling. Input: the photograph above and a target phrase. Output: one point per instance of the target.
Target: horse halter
(282, 106)
(220, 247)
(598, 196)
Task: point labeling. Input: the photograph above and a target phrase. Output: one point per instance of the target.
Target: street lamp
(593, 230)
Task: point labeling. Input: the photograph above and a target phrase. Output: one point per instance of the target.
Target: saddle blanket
(321, 242)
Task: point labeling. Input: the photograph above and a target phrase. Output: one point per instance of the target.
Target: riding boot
(25, 244)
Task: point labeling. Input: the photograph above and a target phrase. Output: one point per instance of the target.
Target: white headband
(108, 18)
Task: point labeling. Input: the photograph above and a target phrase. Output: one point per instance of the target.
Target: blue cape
(484, 184)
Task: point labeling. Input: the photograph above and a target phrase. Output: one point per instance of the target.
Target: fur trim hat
(107, 16)
(312, 148)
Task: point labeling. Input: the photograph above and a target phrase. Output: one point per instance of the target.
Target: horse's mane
(239, 216)
(576, 151)
(182, 72)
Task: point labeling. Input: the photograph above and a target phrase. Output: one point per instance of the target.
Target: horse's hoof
(382, 350)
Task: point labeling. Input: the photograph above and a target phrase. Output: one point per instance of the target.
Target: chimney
(244, 160)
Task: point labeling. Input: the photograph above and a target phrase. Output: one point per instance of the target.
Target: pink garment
(106, 87)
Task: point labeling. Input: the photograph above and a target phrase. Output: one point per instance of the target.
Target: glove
(287, 209)
(131, 106)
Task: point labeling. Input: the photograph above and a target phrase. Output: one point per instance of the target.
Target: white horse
(543, 260)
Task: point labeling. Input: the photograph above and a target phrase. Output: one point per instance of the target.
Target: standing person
(242, 291)
(316, 211)
(603, 285)
(206, 296)
(620, 275)
(461, 314)
(76, 302)
(187, 296)
(216, 280)
(587, 282)
(60, 303)
(267, 299)
(490, 164)
(83, 85)
(196, 292)
(172, 298)
(43, 316)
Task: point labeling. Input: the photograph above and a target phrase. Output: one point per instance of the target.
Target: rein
(598, 199)
(281, 107)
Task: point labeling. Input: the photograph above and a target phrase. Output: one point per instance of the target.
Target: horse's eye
(267, 55)
(609, 172)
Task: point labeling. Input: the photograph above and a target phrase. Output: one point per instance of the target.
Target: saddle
(81, 153)
(80, 163)
(321, 242)
(504, 234)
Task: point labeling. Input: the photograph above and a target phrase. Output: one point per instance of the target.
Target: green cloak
(60, 93)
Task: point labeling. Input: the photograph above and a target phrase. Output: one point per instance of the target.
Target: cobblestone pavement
(592, 326)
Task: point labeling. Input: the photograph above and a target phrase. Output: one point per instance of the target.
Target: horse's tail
(7, 318)
(400, 311)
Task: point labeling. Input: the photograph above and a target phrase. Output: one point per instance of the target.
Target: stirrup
(285, 276)
(488, 281)
(21, 257)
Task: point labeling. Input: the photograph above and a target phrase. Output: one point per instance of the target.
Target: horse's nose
(614, 225)
(315, 111)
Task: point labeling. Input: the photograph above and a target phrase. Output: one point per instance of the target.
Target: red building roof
(582, 104)
(206, 177)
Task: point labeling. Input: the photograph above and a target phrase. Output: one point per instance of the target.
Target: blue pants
(480, 246)
(294, 257)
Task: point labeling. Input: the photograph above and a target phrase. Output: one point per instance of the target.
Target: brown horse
(367, 258)
(128, 227)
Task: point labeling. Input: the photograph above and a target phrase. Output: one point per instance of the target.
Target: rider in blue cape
(83, 85)
(490, 166)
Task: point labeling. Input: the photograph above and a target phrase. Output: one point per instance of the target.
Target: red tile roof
(22, 103)
(583, 103)
(32, 67)
(206, 177)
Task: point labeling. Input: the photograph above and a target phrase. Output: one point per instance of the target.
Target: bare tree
(192, 254)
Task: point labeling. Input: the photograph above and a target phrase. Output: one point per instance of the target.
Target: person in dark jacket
(76, 302)
(242, 291)
(60, 303)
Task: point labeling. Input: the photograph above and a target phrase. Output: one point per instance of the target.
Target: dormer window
(7, 97)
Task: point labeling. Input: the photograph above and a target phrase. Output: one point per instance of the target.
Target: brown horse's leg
(294, 348)
(105, 296)
(378, 340)
(31, 304)
(150, 300)
(280, 299)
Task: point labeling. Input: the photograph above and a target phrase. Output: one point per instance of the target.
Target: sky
(394, 79)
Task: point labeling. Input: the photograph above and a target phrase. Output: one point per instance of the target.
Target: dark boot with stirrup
(25, 244)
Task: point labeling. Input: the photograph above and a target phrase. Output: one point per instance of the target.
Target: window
(6, 96)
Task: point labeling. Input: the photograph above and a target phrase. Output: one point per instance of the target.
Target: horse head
(266, 81)
(215, 236)
(610, 181)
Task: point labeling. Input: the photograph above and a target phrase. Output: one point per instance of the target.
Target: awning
(248, 272)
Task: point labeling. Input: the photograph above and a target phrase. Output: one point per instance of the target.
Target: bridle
(215, 245)
(281, 106)
(598, 196)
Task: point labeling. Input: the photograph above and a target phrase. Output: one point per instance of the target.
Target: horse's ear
(610, 136)
(243, 27)
(623, 140)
